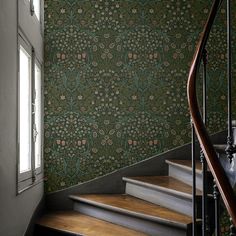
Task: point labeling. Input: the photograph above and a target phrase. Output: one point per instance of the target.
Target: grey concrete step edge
(131, 213)
(159, 188)
(187, 168)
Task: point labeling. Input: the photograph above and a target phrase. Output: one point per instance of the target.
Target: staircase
(151, 205)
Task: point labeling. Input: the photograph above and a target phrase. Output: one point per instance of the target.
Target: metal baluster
(229, 149)
(194, 181)
(216, 196)
(232, 229)
(205, 228)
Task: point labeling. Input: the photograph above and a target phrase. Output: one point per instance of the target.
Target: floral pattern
(115, 82)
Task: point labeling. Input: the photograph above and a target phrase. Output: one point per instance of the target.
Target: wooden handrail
(215, 167)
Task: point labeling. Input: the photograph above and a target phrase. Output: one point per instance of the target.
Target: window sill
(29, 183)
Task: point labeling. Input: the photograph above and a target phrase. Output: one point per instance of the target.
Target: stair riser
(172, 201)
(185, 176)
(146, 226)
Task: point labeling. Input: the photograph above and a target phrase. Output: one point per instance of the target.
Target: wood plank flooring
(166, 182)
(186, 164)
(132, 204)
(77, 223)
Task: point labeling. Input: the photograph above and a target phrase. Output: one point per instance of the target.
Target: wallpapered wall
(115, 82)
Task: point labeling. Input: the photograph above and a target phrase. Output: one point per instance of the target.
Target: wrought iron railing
(209, 158)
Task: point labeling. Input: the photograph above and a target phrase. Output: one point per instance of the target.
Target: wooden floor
(77, 223)
(166, 182)
(132, 204)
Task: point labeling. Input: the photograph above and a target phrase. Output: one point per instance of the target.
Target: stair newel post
(194, 180)
(205, 228)
(229, 148)
(216, 196)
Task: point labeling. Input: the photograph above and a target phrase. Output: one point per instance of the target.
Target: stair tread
(74, 222)
(131, 205)
(186, 164)
(167, 183)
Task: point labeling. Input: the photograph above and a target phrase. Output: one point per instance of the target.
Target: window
(25, 111)
(29, 116)
(30, 105)
(35, 6)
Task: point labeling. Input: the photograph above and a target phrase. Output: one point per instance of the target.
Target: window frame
(28, 179)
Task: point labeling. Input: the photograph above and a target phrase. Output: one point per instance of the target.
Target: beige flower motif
(63, 143)
(63, 56)
(151, 11)
(84, 55)
(155, 142)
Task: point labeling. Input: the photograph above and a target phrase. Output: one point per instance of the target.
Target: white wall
(15, 211)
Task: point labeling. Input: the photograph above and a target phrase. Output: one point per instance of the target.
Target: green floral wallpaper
(115, 82)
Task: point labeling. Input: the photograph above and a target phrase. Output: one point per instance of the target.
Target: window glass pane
(25, 111)
(37, 8)
(38, 134)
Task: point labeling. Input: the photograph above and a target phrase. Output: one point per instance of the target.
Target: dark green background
(115, 82)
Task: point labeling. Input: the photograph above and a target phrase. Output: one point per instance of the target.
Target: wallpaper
(115, 82)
